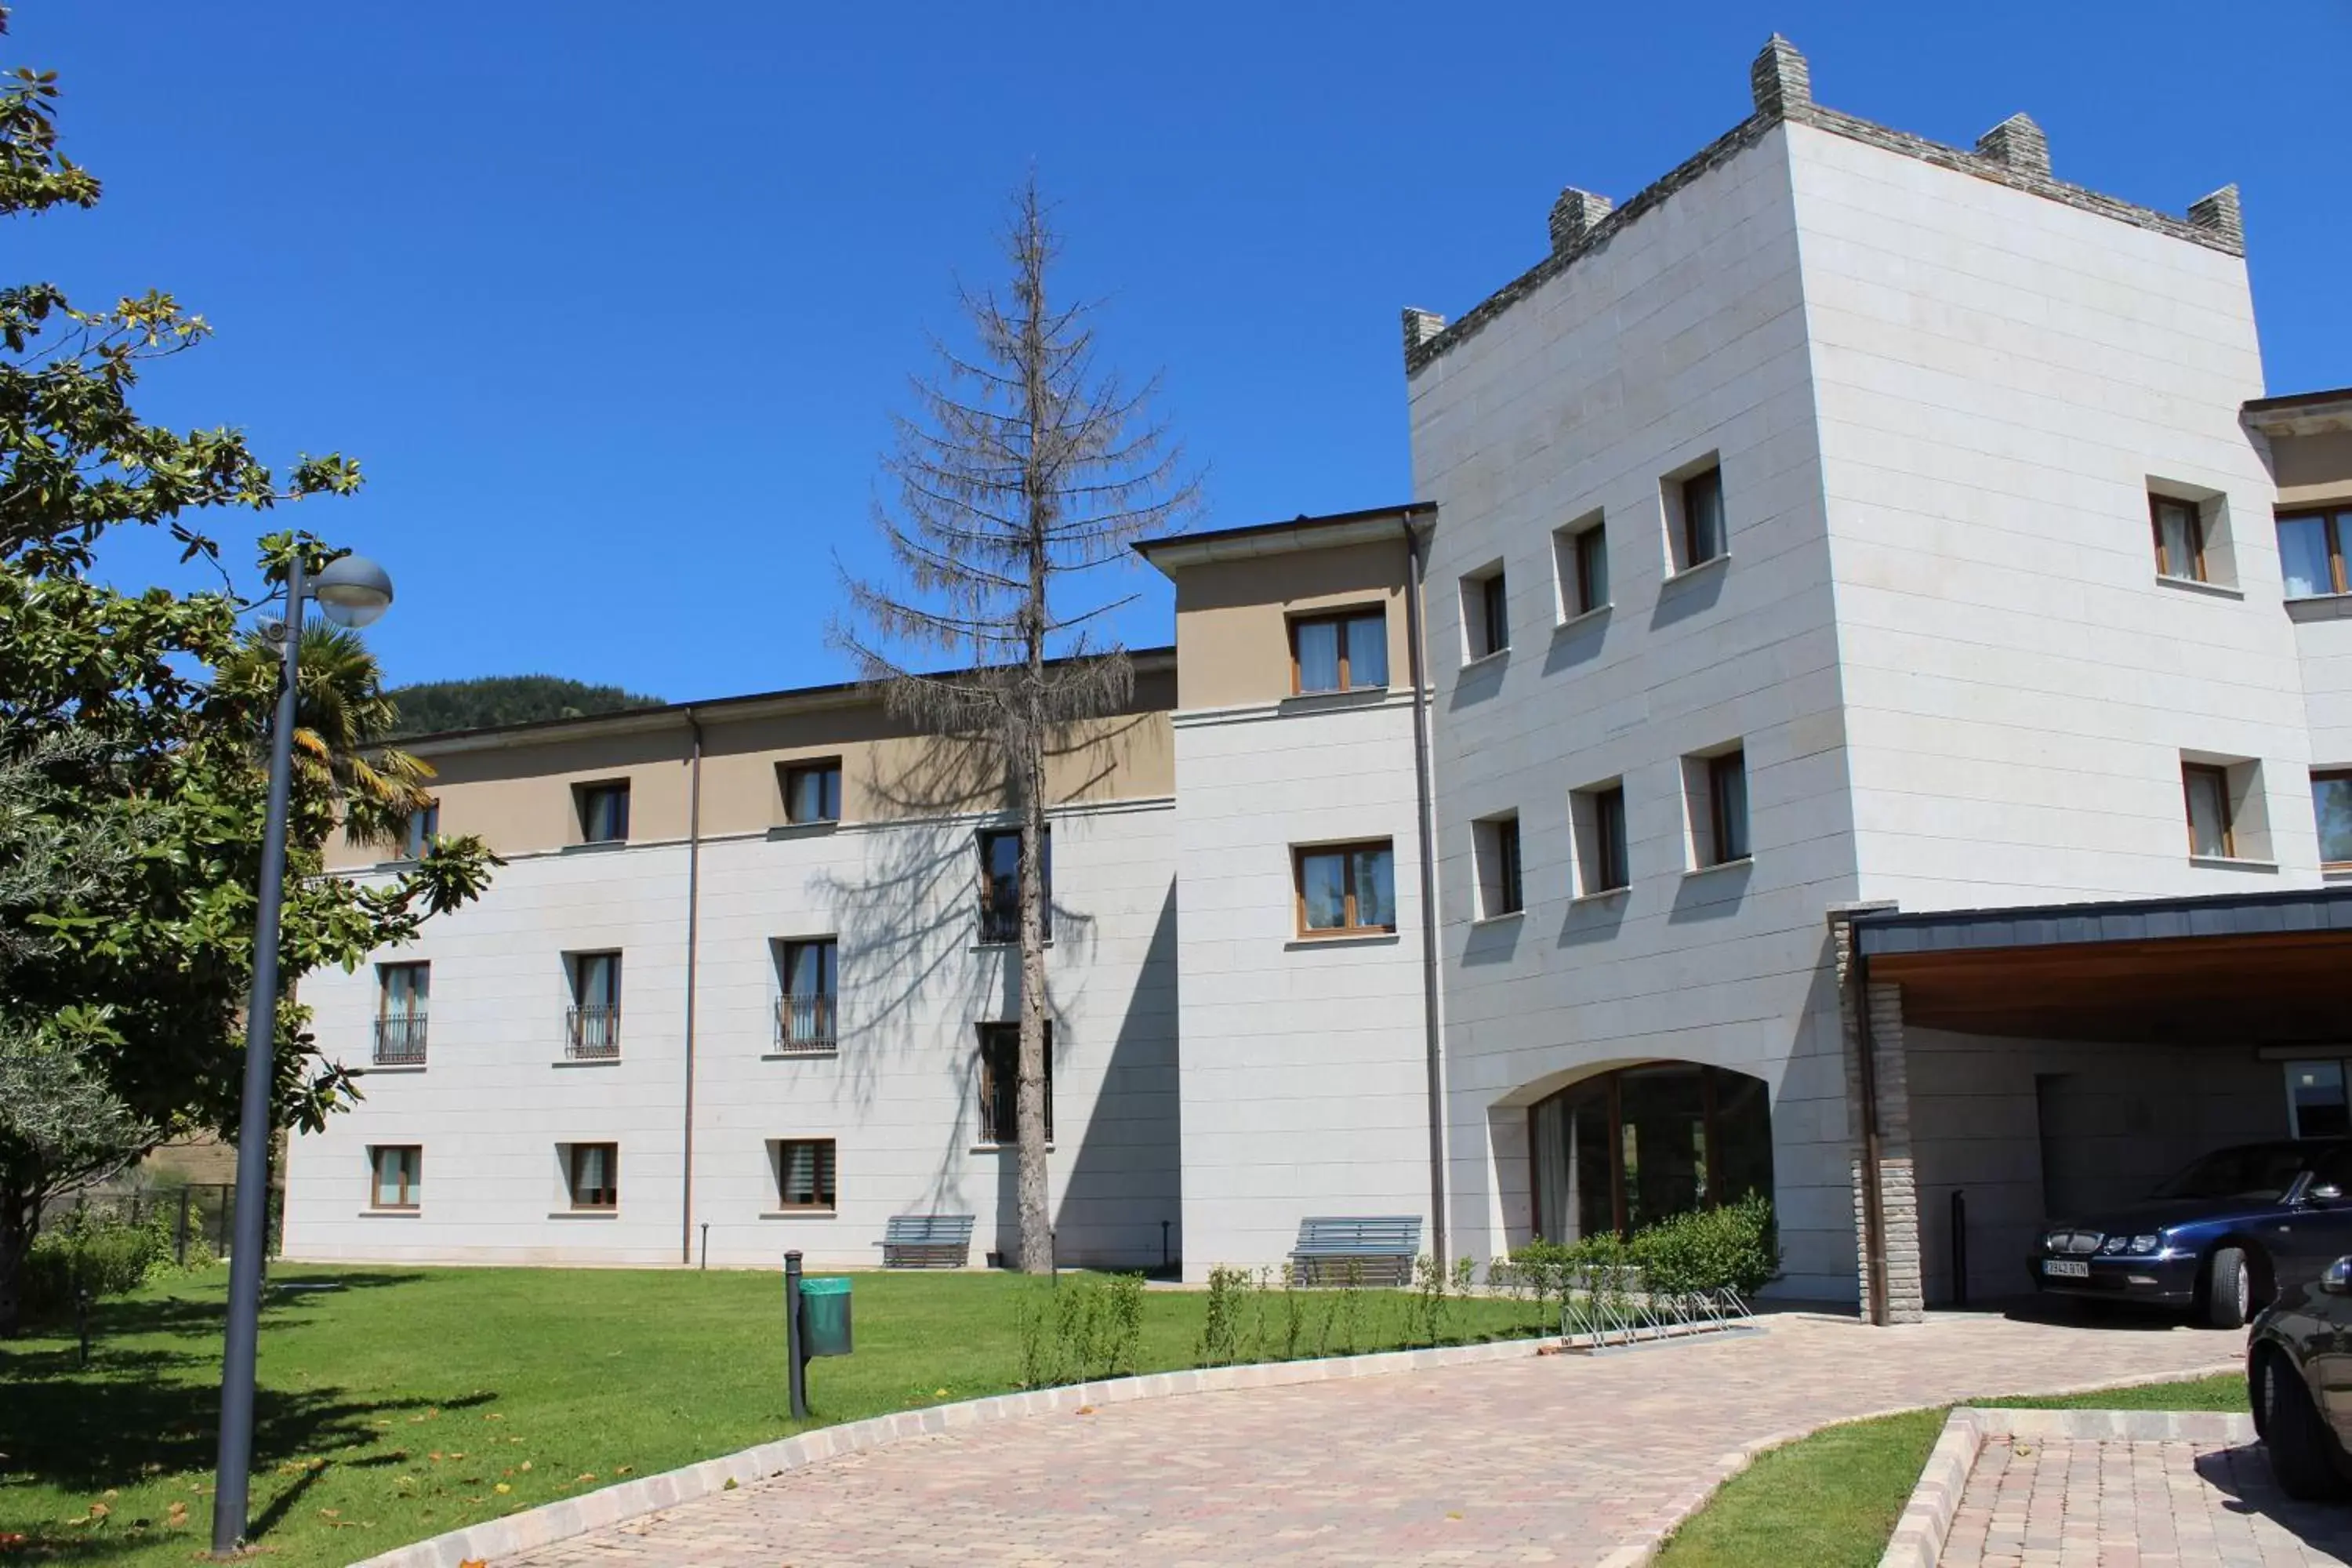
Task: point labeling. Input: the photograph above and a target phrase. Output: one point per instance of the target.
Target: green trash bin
(825, 1317)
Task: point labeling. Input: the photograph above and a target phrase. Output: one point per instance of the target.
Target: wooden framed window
(1702, 518)
(807, 1004)
(424, 827)
(1494, 613)
(1591, 569)
(1726, 807)
(2312, 549)
(804, 1174)
(604, 811)
(395, 1175)
(1346, 888)
(1347, 650)
(404, 992)
(592, 1026)
(812, 790)
(593, 1171)
(2179, 530)
(1000, 884)
(1601, 830)
(2331, 802)
(999, 1083)
(2211, 832)
(1495, 846)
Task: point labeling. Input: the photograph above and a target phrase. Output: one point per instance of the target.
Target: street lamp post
(353, 592)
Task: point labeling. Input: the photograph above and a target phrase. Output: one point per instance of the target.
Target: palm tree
(341, 716)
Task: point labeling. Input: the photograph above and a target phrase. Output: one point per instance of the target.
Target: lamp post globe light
(350, 591)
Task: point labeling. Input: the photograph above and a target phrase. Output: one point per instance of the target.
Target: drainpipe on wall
(1433, 1022)
(693, 937)
(1874, 1215)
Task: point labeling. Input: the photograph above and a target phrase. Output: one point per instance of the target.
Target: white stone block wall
(901, 1098)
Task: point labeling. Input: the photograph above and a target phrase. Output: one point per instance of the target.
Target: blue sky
(614, 302)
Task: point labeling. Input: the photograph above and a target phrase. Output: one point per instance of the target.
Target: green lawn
(414, 1401)
(1831, 1500)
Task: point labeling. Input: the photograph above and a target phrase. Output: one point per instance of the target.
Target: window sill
(1741, 863)
(374, 1069)
(611, 1061)
(1506, 917)
(412, 1212)
(804, 829)
(399, 863)
(821, 1054)
(1711, 564)
(1320, 701)
(1005, 1148)
(800, 1213)
(2231, 863)
(595, 847)
(1486, 660)
(1339, 939)
(2198, 585)
(2320, 607)
(613, 1213)
(1012, 945)
(1580, 620)
(2335, 872)
(1604, 896)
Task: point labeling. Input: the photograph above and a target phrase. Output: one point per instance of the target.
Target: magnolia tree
(131, 731)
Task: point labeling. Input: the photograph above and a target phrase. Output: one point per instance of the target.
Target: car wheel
(2297, 1444)
(2228, 1290)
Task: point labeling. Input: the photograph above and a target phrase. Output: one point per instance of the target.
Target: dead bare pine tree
(1026, 467)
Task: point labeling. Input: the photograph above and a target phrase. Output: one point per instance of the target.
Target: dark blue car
(2220, 1239)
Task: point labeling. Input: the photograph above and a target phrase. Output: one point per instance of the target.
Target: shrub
(91, 1250)
(1735, 1244)
(1079, 1331)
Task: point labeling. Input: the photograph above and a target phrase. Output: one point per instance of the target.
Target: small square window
(1347, 651)
(1495, 845)
(1598, 817)
(1696, 528)
(1000, 887)
(604, 811)
(592, 1172)
(1486, 613)
(2179, 530)
(812, 790)
(2331, 803)
(2213, 831)
(397, 1175)
(999, 1083)
(2312, 551)
(803, 1173)
(1716, 789)
(1346, 888)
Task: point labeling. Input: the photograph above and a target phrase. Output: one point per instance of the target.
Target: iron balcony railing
(592, 1032)
(400, 1040)
(806, 1026)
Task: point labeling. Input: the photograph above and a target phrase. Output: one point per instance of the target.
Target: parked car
(2220, 1238)
(2299, 1381)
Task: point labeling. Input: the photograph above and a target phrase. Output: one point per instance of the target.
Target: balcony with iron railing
(400, 1040)
(806, 1026)
(593, 1033)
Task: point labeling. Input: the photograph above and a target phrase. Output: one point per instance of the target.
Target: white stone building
(1887, 733)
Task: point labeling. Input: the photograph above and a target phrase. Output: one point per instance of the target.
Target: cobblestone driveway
(1560, 1459)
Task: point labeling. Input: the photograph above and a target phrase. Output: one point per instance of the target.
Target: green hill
(432, 707)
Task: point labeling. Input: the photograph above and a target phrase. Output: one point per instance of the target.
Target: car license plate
(2065, 1269)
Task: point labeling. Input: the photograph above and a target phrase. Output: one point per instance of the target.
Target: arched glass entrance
(1625, 1149)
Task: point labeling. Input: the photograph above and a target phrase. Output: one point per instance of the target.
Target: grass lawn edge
(1654, 1540)
(531, 1529)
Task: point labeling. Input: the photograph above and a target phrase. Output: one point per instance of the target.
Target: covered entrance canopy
(2264, 968)
(2022, 1066)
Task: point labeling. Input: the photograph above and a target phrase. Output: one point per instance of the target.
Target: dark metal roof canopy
(2252, 969)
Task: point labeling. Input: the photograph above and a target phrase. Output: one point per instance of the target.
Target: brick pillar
(1575, 216)
(2019, 143)
(1420, 326)
(1779, 78)
(1898, 1199)
(2220, 212)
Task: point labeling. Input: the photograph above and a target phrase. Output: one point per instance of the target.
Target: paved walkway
(1561, 1459)
(2136, 1505)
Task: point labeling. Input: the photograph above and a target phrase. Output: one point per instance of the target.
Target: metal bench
(1356, 1249)
(927, 1241)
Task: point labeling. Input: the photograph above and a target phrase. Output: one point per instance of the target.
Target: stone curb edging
(551, 1523)
(1651, 1539)
(1926, 1521)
